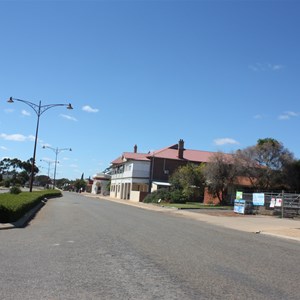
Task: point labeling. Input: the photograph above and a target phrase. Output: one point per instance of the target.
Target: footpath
(258, 224)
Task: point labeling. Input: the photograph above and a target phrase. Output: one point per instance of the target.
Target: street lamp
(56, 151)
(49, 162)
(39, 110)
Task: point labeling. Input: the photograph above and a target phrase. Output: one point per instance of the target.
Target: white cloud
(17, 137)
(68, 117)
(258, 116)
(288, 115)
(25, 113)
(8, 110)
(276, 67)
(225, 141)
(73, 166)
(3, 148)
(89, 109)
(263, 67)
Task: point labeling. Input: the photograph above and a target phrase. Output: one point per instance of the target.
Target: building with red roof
(135, 174)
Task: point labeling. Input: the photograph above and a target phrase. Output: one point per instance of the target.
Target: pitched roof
(130, 156)
(171, 152)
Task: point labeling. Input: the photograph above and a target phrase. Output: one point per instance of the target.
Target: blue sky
(217, 74)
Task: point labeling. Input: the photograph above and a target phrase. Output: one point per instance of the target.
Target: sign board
(239, 195)
(278, 202)
(272, 203)
(258, 199)
(239, 206)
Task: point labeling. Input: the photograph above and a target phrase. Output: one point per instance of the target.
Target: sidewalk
(258, 224)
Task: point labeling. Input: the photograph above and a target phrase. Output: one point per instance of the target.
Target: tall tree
(264, 163)
(220, 172)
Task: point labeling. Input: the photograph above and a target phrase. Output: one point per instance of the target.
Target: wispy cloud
(89, 109)
(258, 116)
(17, 137)
(25, 113)
(8, 110)
(263, 67)
(288, 115)
(73, 166)
(68, 117)
(3, 148)
(225, 141)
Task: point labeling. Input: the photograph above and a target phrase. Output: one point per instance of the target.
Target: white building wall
(134, 172)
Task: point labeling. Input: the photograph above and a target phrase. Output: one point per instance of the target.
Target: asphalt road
(85, 248)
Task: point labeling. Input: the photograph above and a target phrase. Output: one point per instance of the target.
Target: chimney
(180, 148)
(135, 149)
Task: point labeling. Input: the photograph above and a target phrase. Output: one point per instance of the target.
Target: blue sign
(239, 206)
(259, 199)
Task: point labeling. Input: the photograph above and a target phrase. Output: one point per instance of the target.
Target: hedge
(13, 207)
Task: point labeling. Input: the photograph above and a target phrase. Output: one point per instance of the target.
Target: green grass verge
(13, 207)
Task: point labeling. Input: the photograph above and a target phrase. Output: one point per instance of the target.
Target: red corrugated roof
(170, 152)
(190, 155)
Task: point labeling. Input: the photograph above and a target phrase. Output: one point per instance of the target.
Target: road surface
(85, 248)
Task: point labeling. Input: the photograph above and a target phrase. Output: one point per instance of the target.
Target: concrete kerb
(257, 224)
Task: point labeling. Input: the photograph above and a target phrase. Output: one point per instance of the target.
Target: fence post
(282, 203)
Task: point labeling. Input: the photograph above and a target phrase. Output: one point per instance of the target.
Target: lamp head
(69, 106)
(10, 100)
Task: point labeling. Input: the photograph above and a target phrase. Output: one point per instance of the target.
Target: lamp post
(56, 151)
(49, 163)
(39, 109)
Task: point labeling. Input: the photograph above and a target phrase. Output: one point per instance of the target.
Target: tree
(264, 163)
(80, 185)
(18, 171)
(220, 172)
(62, 183)
(43, 180)
(292, 175)
(188, 179)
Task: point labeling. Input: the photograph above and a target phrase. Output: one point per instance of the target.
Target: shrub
(154, 197)
(15, 190)
(177, 196)
(14, 206)
(7, 183)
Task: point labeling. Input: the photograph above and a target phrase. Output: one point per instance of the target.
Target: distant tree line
(14, 172)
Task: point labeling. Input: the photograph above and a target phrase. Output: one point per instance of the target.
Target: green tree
(43, 180)
(80, 184)
(18, 171)
(189, 180)
(62, 183)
